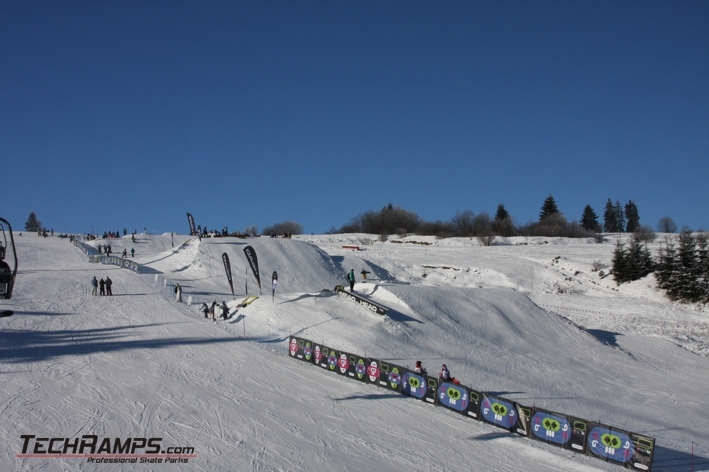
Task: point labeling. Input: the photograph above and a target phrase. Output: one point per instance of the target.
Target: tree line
(396, 220)
(681, 270)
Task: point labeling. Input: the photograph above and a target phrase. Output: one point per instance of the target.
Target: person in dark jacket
(102, 287)
(205, 310)
(94, 285)
(351, 279)
(109, 283)
(213, 310)
(225, 310)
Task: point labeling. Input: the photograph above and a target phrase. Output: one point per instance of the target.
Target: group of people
(210, 311)
(125, 252)
(443, 376)
(103, 285)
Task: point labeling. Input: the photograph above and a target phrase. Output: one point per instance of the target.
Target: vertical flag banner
(227, 269)
(253, 262)
(190, 220)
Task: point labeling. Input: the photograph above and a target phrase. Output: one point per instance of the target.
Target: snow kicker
(630, 450)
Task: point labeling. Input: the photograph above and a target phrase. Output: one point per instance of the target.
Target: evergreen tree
(33, 224)
(666, 268)
(688, 274)
(589, 219)
(703, 261)
(631, 214)
(620, 263)
(610, 220)
(548, 208)
(619, 217)
(502, 213)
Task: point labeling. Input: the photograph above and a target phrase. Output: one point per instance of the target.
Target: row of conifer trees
(681, 269)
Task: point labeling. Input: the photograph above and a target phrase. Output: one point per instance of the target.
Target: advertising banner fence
(630, 450)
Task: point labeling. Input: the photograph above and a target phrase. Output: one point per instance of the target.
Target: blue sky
(130, 114)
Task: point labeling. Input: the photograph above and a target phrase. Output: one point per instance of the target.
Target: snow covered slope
(138, 364)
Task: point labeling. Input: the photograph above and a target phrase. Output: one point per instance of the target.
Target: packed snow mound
(301, 267)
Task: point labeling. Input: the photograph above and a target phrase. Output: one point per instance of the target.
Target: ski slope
(526, 319)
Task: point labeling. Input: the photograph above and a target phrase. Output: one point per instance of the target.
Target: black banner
(373, 371)
(253, 262)
(390, 376)
(620, 447)
(559, 430)
(190, 220)
(499, 412)
(352, 365)
(300, 349)
(227, 269)
(332, 357)
(320, 355)
(524, 416)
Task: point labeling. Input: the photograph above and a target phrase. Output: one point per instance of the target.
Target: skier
(225, 310)
(102, 285)
(351, 279)
(178, 293)
(132, 252)
(213, 309)
(419, 369)
(94, 284)
(109, 282)
(205, 310)
(125, 253)
(364, 274)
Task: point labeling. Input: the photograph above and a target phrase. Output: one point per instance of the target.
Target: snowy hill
(527, 320)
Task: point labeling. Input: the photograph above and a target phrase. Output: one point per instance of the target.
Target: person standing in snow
(205, 310)
(225, 310)
(213, 310)
(94, 285)
(178, 293)
(351, 279)
(109, 283)
(102, 287)
(132, 252)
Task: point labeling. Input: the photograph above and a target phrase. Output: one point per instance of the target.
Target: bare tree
(644, 233)
(666, 225)
(290, 227)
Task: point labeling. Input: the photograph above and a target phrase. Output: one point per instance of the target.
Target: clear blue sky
(130, 114)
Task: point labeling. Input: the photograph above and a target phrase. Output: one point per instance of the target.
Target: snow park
(443, 235)
(556, 367)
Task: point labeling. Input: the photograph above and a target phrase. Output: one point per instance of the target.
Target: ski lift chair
(7, 274)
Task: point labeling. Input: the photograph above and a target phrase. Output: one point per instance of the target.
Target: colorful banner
(227, 269)
(620, 447)
(498, 411)
(373, 371)
(253, 262)
(190, 220)
(455, 397)
(300, 348)
(352, 366)
(320, 355)
(390, 376)
(559, 430)
(419, 386)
